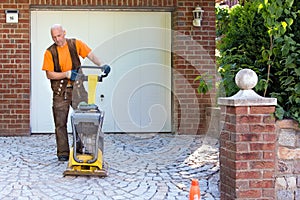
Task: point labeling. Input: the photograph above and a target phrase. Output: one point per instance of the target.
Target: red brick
(231, 154)
(262, 165)
(242, 128)
(224, 135)
(270, 137)
(262, 109)
(261, 183)
(249, 194)
(229, 163)
(242, 184)
(262, 146)
(268, 193)
(237, 110)
(249, 156)
(262, 128)
(223, 152)
(241, 165)
(269, 174)
(230, 119)
(269, 155)
(229, 145)
(229, 127)
(249, 137)
(269, 119)
(242, 147)
(249, 119)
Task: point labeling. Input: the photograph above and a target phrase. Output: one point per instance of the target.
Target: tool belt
(59, 86)
(79, 93)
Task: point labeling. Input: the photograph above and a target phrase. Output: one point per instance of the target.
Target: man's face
(58, 36)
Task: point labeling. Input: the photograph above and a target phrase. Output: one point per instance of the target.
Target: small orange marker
(195, 190)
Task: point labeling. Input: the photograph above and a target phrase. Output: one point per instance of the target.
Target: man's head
(58, 34)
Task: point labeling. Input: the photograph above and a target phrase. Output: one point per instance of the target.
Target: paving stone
(141, 166)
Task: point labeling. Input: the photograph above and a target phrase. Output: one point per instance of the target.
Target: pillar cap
(246, 79)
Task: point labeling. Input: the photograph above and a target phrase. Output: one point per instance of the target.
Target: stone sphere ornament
(246, 79)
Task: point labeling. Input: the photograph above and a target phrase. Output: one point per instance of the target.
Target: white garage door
(137, 45)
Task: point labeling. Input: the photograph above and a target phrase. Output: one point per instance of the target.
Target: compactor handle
(105, 69)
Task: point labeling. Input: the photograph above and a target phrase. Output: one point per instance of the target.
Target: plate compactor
(87, 122)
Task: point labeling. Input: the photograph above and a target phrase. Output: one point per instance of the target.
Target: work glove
(105, 70)
(72, 74)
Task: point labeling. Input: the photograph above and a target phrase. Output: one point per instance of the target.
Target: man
(61, 63)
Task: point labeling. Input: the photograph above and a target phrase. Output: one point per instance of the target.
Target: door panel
(137, 45)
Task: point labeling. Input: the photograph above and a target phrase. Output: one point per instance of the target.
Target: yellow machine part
(85, 168)
(96, 168)
(92, 84)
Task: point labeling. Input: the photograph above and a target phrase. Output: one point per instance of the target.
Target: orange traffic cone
(195, 190)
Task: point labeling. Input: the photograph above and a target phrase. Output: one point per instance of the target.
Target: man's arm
(56, 75)
(92, 57)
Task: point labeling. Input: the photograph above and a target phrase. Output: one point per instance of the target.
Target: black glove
(72, 74)
(105, 70)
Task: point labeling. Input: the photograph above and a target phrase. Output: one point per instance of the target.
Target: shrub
(264, 36)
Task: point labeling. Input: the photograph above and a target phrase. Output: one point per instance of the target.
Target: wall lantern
(197, 13)
(12, 16)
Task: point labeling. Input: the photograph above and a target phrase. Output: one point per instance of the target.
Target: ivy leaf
(278, 12)
(289, 80)
(260, 7)
(204, 86)
(289, 21)
(284, 24)
(285, 49)
(279, 112)
(289, 3)
(297, 70)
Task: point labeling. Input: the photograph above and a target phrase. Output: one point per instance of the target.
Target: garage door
(136, 97)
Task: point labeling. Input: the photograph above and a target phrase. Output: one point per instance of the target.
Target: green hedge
(264, 36)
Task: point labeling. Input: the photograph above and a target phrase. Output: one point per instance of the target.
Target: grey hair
(56, 26)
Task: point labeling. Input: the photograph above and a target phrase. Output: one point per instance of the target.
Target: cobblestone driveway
(141, 167)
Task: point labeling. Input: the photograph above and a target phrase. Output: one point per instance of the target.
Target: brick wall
(193, 54)
(247, 147)
(278, 172)
(259, 157)
(14, 71)
(194, 50)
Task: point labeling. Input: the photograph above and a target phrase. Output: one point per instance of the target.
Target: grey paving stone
(141, 166)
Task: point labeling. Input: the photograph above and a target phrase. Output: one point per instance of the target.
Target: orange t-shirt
(64, 56)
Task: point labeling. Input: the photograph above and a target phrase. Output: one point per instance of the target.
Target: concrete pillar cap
(246, 80)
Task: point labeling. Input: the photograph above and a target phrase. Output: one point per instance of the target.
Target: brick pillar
(247, 142)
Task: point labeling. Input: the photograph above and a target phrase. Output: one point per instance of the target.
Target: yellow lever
(92, 83)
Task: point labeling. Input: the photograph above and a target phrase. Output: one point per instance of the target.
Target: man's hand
(105, 70)
(71, 74)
